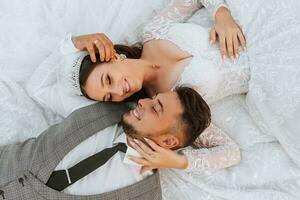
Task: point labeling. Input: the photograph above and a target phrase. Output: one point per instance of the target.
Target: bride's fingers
(137, 160)
(229, 46)
(91, 51)
(223, 46)
(101, 51)
(140, 150)
(235, 46)
(109, 48)
(145, 168)
(213, 36)
(242, 39)
(154, 146)
(144, 147)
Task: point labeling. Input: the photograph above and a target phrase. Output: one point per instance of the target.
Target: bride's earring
(155, 66)
(123, 57)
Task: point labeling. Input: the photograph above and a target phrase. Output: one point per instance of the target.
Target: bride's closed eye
(108, 79)
(108, 97)
(108, 82)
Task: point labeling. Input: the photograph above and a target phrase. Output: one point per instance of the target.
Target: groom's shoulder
(101, 109)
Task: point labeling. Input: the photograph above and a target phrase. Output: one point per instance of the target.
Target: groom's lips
(136, 114)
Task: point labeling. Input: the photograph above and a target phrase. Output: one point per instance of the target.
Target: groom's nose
(144, 102)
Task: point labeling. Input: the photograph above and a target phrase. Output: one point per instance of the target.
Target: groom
(82, 157)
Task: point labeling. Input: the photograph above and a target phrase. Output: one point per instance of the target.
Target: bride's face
(116, 80)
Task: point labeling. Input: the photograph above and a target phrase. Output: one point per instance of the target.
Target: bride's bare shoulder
(163, 48)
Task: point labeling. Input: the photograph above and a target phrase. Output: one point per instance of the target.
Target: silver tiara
(74, 63)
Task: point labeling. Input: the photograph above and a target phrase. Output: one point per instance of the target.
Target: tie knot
(122, 147)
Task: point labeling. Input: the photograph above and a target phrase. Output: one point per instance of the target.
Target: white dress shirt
(114, 174)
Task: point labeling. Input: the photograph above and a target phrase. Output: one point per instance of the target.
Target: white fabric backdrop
(268, 114)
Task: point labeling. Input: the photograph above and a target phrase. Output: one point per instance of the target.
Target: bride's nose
(117, 90)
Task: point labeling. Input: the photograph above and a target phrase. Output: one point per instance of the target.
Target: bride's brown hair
(87, 66)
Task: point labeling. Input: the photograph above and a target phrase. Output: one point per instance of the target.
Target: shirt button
(21, 180)
(2, 194)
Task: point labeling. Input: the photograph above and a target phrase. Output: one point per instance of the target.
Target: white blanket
(265, 123)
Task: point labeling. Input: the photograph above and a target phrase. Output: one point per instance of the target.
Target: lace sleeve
(177, 11)
(216, 151)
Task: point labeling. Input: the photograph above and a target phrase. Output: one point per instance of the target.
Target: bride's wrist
(183, 163)
(222, 13)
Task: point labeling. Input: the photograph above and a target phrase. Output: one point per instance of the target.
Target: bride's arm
(216, 150)
(177, 11)
(225, 29)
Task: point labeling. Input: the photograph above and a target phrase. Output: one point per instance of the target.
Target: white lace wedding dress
(212, 77)
(215, 80)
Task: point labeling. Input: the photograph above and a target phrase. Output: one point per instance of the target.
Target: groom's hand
(93, 43)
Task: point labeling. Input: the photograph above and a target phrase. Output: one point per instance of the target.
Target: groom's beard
(128, 128)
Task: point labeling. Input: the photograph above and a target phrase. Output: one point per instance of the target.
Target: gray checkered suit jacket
(26, 167)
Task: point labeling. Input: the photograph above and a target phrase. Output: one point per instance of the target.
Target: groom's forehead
(170, 101)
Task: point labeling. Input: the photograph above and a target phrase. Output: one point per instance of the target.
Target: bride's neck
(150, 79)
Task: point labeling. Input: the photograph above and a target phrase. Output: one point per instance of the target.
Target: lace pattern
(211, 77)
(216, 151)
(177, 11)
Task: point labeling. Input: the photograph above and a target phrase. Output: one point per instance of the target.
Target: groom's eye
(154, 110)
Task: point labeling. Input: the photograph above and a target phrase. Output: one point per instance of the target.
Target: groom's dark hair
(196, 116)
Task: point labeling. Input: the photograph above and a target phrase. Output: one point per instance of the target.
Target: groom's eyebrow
(161, 105)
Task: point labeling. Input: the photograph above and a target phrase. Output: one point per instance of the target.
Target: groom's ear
(170, 141)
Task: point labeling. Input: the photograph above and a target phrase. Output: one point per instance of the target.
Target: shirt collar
(122, 138)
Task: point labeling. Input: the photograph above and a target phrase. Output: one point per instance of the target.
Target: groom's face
(153, 117)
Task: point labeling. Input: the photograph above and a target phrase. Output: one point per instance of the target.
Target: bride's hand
(156, 157)
(99, 42)
(228, 32)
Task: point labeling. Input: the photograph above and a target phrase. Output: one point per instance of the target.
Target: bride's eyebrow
(102, 84)
(101, 80)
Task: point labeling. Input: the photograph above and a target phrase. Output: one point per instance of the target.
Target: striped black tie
(61, 179)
